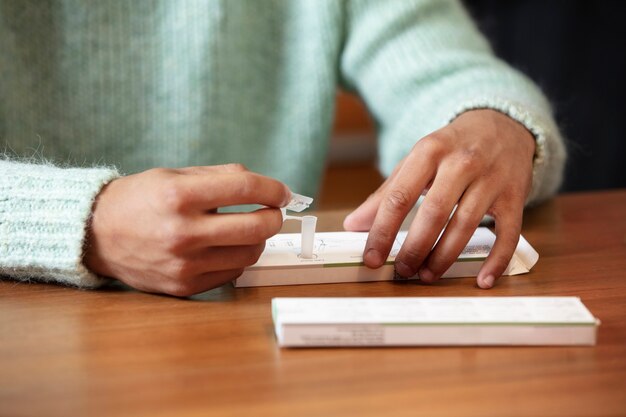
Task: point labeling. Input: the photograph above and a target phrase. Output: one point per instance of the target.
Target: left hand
(482, 162)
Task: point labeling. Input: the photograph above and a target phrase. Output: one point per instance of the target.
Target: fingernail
(487, 282)
(404, 270)
(426, 274)
(373, 258)
(288, 197)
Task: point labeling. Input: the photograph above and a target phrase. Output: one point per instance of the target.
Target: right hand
(159, 230)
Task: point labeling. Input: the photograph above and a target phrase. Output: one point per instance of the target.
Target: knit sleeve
(43, 216)
(420, 63)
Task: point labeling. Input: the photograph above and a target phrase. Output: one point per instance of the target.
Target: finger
(229, 257)
(466, 218)
(222, 258)
(205, 192)
(396, 201)
(362, 218)
(234, 229)
(508, 229)
(199, 283)
(212, 280)
(431, 218)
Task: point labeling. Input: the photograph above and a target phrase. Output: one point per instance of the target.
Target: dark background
(575, 50)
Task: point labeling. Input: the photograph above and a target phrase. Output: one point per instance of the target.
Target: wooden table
(117, 352)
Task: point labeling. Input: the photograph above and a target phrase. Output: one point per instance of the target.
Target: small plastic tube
(307, 236)
(307, 233)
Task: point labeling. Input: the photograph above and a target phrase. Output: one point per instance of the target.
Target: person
(183, 96)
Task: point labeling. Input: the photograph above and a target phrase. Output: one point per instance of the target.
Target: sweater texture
(114, 86)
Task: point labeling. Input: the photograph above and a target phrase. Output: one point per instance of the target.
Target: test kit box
(338, 257)
(432, 321)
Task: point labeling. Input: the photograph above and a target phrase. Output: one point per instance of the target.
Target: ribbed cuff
(44, 211)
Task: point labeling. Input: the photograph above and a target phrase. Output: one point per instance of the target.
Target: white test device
(300, 203)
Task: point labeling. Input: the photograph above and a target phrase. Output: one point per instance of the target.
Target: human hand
(159, 230)
(481, 161)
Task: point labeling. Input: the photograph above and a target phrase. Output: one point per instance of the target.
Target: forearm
(44, 211)
(420, 64)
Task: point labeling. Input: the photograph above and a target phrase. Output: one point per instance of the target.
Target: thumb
(361, 219)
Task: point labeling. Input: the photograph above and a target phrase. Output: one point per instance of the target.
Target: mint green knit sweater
(97, 88)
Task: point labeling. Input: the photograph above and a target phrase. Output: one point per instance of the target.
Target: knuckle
(159, 171)
(236, 167)
(224, 276)
(438, 267)
(180, 289)
(510, 216)
(434, 211)
(276, 223)
(467, 219)
(399, 200)
(501, 261)
(511, 243)
(412, 254)
(175, 237)
(382, 238)
(373, 195)
(440, 263)
(516, 194)
(179, 271)
(175, 197)
(269, 225)
(439, 136)
(256, 231)
(236, 273)
(249, 183)
(507, 245)
(435, 202)
(431, 144)
(254, 254)
(470, 159)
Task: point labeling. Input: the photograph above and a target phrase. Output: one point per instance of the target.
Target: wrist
(92, 252)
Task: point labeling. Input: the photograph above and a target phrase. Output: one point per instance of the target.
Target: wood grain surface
(65, 352)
